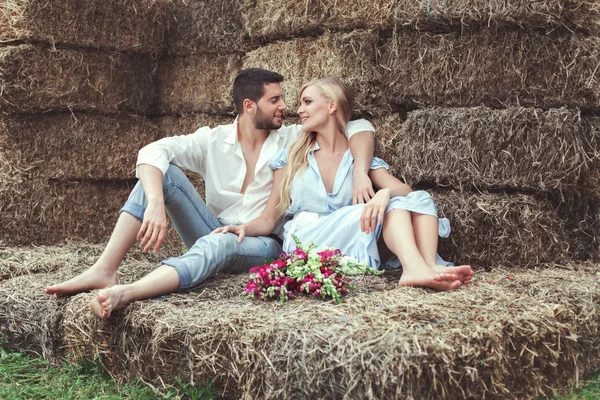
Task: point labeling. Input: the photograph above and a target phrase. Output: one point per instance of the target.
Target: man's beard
(263, 121)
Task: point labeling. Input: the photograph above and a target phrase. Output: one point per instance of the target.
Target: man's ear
(249, 106)
(332, 107)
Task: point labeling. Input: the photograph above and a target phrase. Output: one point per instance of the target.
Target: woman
(315, 186)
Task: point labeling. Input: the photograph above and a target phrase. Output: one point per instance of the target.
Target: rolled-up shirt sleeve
(186, 151)
(359, 125)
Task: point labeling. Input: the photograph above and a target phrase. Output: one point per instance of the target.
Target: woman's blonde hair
(331, 89)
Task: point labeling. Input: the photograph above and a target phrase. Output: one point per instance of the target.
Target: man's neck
(248, 134)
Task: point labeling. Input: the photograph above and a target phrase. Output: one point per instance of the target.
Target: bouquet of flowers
(321, 273)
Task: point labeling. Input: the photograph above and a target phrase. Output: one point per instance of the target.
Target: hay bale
(515, 148)
(17, 261)
(494, 339)
(204, 26)
(495, 229)
(347, 56)
(269, 19)
(35, 78)
(492, 68)
(387, 128)
(76, 146)
(188, 123)
(581, 215)
(136, 25)
(30, 320)
(41, 212)
(197, 84)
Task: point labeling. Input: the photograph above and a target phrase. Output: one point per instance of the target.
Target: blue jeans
(207, 254)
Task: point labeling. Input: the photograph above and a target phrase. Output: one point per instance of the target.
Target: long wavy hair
(331, 89)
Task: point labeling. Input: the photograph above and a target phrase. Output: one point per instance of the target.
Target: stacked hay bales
(489, 105)
(521, 145)
(78, 81)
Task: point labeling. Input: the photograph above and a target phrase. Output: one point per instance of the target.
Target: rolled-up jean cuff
(135, 209)
(185, 277)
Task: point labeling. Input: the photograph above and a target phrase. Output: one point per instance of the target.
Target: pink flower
(301, 255)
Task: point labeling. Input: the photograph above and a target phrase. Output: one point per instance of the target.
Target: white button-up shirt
(217, 155)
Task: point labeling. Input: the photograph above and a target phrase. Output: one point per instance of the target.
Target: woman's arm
(389, 187)
(362, 145)
(266, 222)
(384, 180)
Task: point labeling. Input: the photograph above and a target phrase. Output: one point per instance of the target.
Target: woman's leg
(426, 238)
(162, 280)
(399, 236)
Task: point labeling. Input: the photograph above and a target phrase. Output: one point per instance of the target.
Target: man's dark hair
(250, 84)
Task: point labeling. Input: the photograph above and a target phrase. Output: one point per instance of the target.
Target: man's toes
(455, 285)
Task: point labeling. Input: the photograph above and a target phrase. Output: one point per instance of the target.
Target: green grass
(590, 392)
(26, 377)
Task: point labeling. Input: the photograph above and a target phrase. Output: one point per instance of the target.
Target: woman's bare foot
(94, 278)
(108, 300)
(427, 277)
(464, 272)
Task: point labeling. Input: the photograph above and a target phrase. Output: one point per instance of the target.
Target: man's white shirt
(217, 155)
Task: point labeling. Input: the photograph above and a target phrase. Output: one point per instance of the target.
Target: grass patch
(590, 392)
(26, 377)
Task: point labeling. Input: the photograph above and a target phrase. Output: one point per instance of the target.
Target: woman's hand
(239, 230)
(154, 227)
(374, 207)
(363, 188)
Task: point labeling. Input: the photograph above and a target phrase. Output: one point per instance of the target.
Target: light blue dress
(330, 219)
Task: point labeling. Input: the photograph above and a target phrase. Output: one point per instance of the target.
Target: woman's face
(315, 110)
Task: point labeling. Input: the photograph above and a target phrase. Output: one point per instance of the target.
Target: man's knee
(222, 244)
(173, 174)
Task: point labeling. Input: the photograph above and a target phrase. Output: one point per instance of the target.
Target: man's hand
(363, 188)
(374, 207)
(239, 230)
(154, 227)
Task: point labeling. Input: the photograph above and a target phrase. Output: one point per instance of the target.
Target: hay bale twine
(136, 25)
(496, 229)
(348, 56)
(515, 148)
(76, 146)
(197, 84)
(37, 78)
(492, 68)
(269, 19)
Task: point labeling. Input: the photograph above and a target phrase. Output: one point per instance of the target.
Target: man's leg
(185, 207)
(209, 255)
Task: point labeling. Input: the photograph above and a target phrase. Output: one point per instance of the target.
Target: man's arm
(187, 152)
(154, 226)
(266, 222)
(362, 146)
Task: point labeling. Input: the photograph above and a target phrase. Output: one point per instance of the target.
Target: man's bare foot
(108, 300)
(464, 272)
(93, 278)
(427, 277)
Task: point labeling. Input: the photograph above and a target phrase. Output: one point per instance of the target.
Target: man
(233, 161)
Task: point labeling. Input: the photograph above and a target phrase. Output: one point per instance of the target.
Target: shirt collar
(231, 137)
